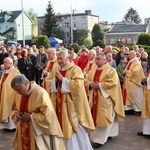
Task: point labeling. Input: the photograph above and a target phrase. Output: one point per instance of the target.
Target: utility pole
(23, 23)
(71, 27)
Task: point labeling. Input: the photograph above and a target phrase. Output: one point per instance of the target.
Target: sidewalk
(127, 139)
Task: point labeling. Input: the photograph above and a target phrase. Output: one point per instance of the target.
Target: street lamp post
(23, 23)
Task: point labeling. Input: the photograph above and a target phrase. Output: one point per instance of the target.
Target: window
(67, 34)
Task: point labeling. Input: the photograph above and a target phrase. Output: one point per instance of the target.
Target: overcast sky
(107, 10)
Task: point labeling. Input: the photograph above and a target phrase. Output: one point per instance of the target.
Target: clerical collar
(64, 67)
(102, 65)
(133, 59)
(91, 61)
(7, 70)
(53, 60)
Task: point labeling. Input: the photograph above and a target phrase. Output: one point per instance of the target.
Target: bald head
(8, 62)
(132, 54)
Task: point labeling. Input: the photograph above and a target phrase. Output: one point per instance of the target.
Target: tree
(99, 43)
(144, 39)
(132, 16)
(50, 21)
(57, 32)
(42, 40)
(88, 42)
(76, 47)
(33, 16)
(97, 33)
(80, 35)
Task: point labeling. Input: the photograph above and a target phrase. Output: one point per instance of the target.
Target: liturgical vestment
(43, 132)
(6, 92)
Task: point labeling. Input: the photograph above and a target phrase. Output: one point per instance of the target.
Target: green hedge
(146, 48)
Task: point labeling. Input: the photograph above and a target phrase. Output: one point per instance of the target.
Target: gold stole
(124, 92)
(60, 100)
(49, 70)
(95, 95)
(25, 126)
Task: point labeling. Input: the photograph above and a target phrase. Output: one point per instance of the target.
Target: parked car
(9, 43)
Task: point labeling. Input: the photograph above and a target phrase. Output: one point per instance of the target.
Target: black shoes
(141, 134)
(137, 112)
(129, 112)
(132, 112)
(96, 145)
(109, 138)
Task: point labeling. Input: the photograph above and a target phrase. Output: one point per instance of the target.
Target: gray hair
(19, 80)
(63, 52)
(9, 59)
(52, 50)
(102, 54)
(93, 51)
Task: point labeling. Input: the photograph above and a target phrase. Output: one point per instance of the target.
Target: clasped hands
(94, 85)
(23, 116)
(59, 76)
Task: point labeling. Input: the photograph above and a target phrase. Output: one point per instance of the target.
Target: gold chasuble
(49, 70)
(49, 66)
(72, 108)
(3, 80)
(6, 93)
(31, 137)
(146, 101)
(103, 107)
(133, 78)
(124, 93)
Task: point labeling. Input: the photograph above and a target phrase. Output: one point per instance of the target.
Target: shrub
(42, 40)
(88, 42)
(144, 39)
(146, 48)
(99, 43)
(76, 47)
(116, 48)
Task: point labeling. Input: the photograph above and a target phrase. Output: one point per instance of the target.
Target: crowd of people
(56, 99)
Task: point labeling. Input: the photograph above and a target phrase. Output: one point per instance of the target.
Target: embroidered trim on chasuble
(95, 95)
(60, 100)
(25, 126)
(51, 64)
(124, 92)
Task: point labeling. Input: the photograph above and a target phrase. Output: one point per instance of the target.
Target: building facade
(11, 26)
(79, 21)
(125, 33)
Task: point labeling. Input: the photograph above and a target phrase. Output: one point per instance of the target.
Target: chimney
(89, 12)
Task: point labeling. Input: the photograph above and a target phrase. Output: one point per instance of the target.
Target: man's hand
(94, 85)
(24, 117)
(144, 80)
(59, 75)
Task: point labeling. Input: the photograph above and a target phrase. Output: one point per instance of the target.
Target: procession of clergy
(79, 101)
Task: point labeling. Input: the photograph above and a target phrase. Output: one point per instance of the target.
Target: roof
(128, 28)
(13, 14)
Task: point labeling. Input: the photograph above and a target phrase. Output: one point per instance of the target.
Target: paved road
(127, 139)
